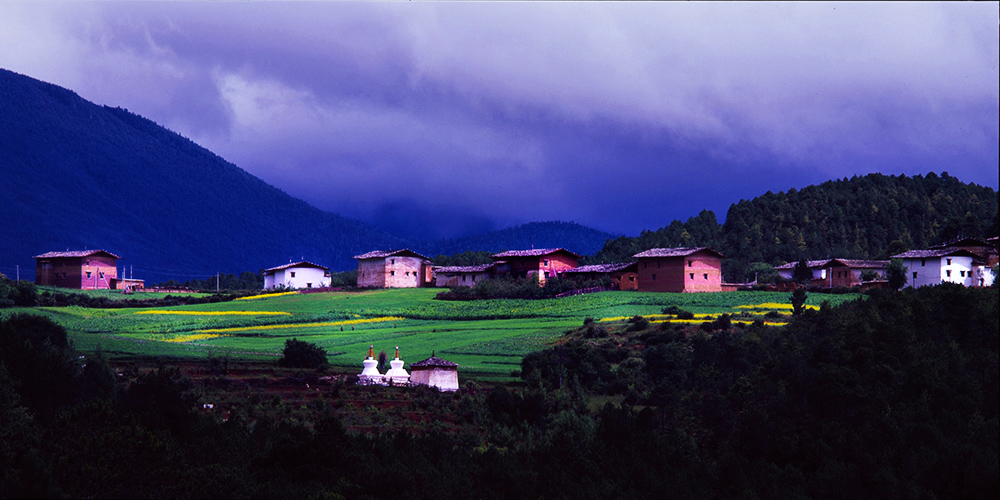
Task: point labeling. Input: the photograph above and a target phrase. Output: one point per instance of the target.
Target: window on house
(545, 262)
(690, 263)
(961, 273)
(923, 262)
(392, 273)
(644, 265)
(309, 285)
(706, 276)
(949, 261)
(392, 261)
(88, 274)
(654, 277)
(692, 275)
(546, 274)
(948, 273)
(293, 274)
(101, 274)
(914, 275)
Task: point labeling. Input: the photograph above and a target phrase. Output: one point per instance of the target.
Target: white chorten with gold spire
(396, 374)
(370, 374)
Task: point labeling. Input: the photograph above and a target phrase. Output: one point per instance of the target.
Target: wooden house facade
(452, 276)
(81, 269)
(624, 276)
(544, 262)
(682, 269)
(830, 273)
(393, 269)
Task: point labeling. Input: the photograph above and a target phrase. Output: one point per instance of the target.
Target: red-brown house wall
(674, 274)
(71, 272)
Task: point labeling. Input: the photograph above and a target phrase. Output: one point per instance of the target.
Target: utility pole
(216, 282)
(18, 266)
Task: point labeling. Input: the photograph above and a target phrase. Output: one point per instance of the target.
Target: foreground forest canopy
(869, 217)
(890, 396)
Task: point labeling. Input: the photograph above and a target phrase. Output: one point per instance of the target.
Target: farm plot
(487, 338)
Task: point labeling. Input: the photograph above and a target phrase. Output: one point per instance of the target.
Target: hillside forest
(869, 217)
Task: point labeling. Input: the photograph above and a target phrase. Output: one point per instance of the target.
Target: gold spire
(397, 352)
(371, 351)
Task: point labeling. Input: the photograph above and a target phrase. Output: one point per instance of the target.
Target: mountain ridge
(80, 175)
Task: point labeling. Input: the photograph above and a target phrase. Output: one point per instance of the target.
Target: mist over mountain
(81, 176)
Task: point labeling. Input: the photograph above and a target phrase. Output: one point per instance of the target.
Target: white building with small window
(297, 275)
(933, 267)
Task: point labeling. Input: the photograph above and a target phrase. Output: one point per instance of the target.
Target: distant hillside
(76, 175)
(862, 217)
(571, 236)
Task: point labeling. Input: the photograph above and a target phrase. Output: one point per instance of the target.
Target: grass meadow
(486, 338)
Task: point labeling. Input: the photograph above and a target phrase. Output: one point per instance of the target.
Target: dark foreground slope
(78, 175)
(890, 397)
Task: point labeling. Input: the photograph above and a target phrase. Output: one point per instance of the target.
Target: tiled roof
(863, 264)
(380, 254)
(536, 252)
(297, 264)
(932, 253)
(852, 263)
(434, 361)
(674, 252)
(464, 269)
(602, 268)
(74, 253)
(809, 263)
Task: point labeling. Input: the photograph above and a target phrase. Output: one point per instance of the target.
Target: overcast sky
(471, 116)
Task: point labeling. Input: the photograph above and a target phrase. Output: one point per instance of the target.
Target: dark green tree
(299, 354)
(802, 273)
(798, 301)
(896, 274)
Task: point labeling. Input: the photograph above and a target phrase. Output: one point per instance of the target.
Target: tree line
(864, 217)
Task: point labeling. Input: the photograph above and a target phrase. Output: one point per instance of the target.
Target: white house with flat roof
(936, 266)
(297, 275)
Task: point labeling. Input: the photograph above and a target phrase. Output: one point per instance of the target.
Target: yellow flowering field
(217, 313)
(267, 296)
(774, 306)
(194, 337)
(303, 325)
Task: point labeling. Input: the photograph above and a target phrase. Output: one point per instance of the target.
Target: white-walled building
(947, 265)
(435, 372)
(297, 275)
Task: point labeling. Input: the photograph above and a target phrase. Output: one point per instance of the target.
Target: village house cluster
(967, 261)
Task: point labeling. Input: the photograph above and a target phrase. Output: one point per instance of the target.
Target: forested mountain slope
(872, 216)
(77, 175)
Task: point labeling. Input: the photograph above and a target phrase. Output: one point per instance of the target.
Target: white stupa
(370, 374)
(396, 374)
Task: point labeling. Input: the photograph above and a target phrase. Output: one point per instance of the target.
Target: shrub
(299, 354)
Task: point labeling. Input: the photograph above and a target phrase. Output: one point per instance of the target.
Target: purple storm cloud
(620, 116)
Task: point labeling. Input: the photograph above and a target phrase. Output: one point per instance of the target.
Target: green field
(487, 338)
